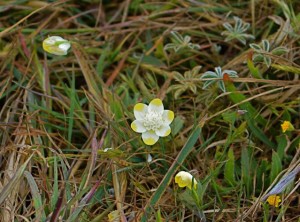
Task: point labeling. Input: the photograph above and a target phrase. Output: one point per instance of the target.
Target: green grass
(59, 113)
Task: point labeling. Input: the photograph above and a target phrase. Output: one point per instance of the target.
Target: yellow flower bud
(185, 179)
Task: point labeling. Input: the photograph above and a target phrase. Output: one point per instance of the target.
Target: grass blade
(37, 199)
(13, 182)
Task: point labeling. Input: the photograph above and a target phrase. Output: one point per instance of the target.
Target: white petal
(56, 38)
(138, 126)
(140, 111)
(156, 105)
(149, 158)
(107, 149)
(163, 131)
(64, 46)
(168, 116)
(149, 137)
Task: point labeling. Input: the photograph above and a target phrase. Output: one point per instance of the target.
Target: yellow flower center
(285, 126)
(274, 200)
(153, 120)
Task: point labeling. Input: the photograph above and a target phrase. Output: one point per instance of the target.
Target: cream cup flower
(152, 121)
(185, 179)
(56, 45)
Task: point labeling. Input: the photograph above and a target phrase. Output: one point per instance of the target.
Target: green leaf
(36, 197)
(177, 125)
(55, 190)
(276, 166)
(255, 47)
(251, 116)
(281, 145)
(11, 185)
(246, 170)
(279, 51)
(254, 70)
(261, 175)
(267, 60)
(229, 168)
(153, 61)
(266, 45)
(158, 216)
(230, 117)
(240, 131)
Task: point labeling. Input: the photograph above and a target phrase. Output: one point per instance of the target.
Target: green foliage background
(59, 113)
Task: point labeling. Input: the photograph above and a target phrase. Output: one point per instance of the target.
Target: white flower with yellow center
(56, 45)
(152, 121)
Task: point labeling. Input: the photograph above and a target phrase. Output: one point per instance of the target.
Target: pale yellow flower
(56, 45)
(152, 121)
(114, 216)
(185, 179)
(274, 200)
(287, 126)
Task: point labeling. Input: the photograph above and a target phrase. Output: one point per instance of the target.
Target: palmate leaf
(261, 52)
(218, 75)
(180, 42)
(238, 31)
(185, 82)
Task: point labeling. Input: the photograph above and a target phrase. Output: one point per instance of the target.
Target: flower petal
(65, 46)
(138, 126)
(168, 116)
(156, 105)
(185, 179)
(149, 137)
(163, 131)
(140, 111)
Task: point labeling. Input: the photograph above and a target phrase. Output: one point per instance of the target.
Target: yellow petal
(114, 216)
(163, 131)
(185, 179)
(138, 126)
(168, 116)
(140, 111)
(156, 105)
(149, 137)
